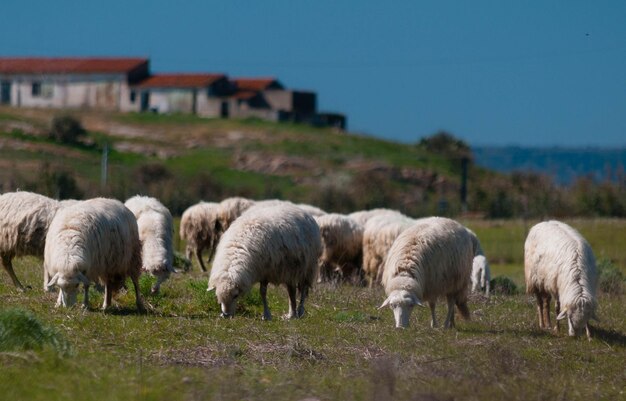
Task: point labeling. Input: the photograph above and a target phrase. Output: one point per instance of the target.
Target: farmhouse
(126, 85)
(90, 83)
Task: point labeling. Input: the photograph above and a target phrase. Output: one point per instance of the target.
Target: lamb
(342, 249)
(198, 228)
(481, 273)
(155, 226)
(93, 241)
(277, 244)
(24, 221)
(432, 258)
(559, 263)
(379, 234)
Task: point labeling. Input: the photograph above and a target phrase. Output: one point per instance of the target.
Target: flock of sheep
(103, 242)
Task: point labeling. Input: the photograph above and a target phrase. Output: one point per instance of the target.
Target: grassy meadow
(343, 349)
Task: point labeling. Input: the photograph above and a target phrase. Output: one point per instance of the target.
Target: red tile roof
(180, 80)
(54, 65)
(256, 84)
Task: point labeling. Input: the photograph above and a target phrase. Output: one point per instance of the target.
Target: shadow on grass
(610, 337)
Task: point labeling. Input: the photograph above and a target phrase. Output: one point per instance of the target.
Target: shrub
(181, 263)
(66, 129)
(502, 285)
(610, 278)
(20, 330)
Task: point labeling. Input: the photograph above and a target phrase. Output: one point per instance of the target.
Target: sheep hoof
(290, 316)
(267, 317)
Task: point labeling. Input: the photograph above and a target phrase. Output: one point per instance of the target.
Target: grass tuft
(20, 330)
(610, 277)
(502, 285)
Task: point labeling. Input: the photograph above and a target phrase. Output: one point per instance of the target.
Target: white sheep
(93, 241)
(24, 221)
(481, 272)
(312, 210)
(229, 210)
(154, 222)
(430, 259)
(342, 250)
(198, 227)
(362, 216)
(379, 234)
(277, 244)
(559, 263)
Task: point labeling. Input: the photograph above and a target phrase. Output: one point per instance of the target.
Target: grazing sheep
(361, 217)
(378, 236)
(277, 244)
(342, 249)
(24, 221)
(198, 228)
(481, 273)
(312, 210)
(559, 263)
(155, 226)
(93, 241)
(432, 258)
(230, 209)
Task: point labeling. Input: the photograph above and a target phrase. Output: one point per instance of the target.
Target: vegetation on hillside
(182, 159)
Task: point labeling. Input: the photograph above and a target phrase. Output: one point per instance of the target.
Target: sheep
(198, 228)
(481, 273)
(312, 210)
(277, 244)
(432, 258)
(230, 209)
(379, 234)
(361, 217)
(155, 225)
(96, 240)
(559, 263)
(342, 249)
(24, 221)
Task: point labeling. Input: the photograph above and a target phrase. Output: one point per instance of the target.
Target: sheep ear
(211, 288)
(384, 303)
(562, 315)
(417, 302)
(53, 281)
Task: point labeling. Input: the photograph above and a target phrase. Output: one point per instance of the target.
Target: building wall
(104, 92)
(172, 100)
(208, 106)
(302, 103)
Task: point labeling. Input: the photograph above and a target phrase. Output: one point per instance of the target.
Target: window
(133, 96)
(36, 89)
(42, 89)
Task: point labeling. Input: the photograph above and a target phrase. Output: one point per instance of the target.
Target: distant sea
(563, 164)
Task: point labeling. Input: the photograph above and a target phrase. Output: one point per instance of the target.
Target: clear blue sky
(490, 72)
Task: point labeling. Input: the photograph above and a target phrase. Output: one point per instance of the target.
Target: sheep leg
(588, 330)
(107, 296)
(449, 323)
(199, 256)
(433, 318)
(86, 296)
(8, 266)
(539, 298)
(291, 290)
(546, 310)
(138, 299)
(304, 292)
(266, 310)
(557, 311)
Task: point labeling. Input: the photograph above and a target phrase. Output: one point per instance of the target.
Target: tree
(66, 129)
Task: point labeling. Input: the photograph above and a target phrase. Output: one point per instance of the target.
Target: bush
(181, 263)
(502, 285)
(66, 129)
(610, 278)
(20, 330)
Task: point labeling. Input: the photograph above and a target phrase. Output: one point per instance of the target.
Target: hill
(563, 164)
(182, 159)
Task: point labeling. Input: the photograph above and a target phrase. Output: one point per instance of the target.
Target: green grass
(344, 348)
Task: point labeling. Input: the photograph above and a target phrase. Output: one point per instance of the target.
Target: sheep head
(401, 303)
(227, 293)
(578, 315)
(68, 287)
